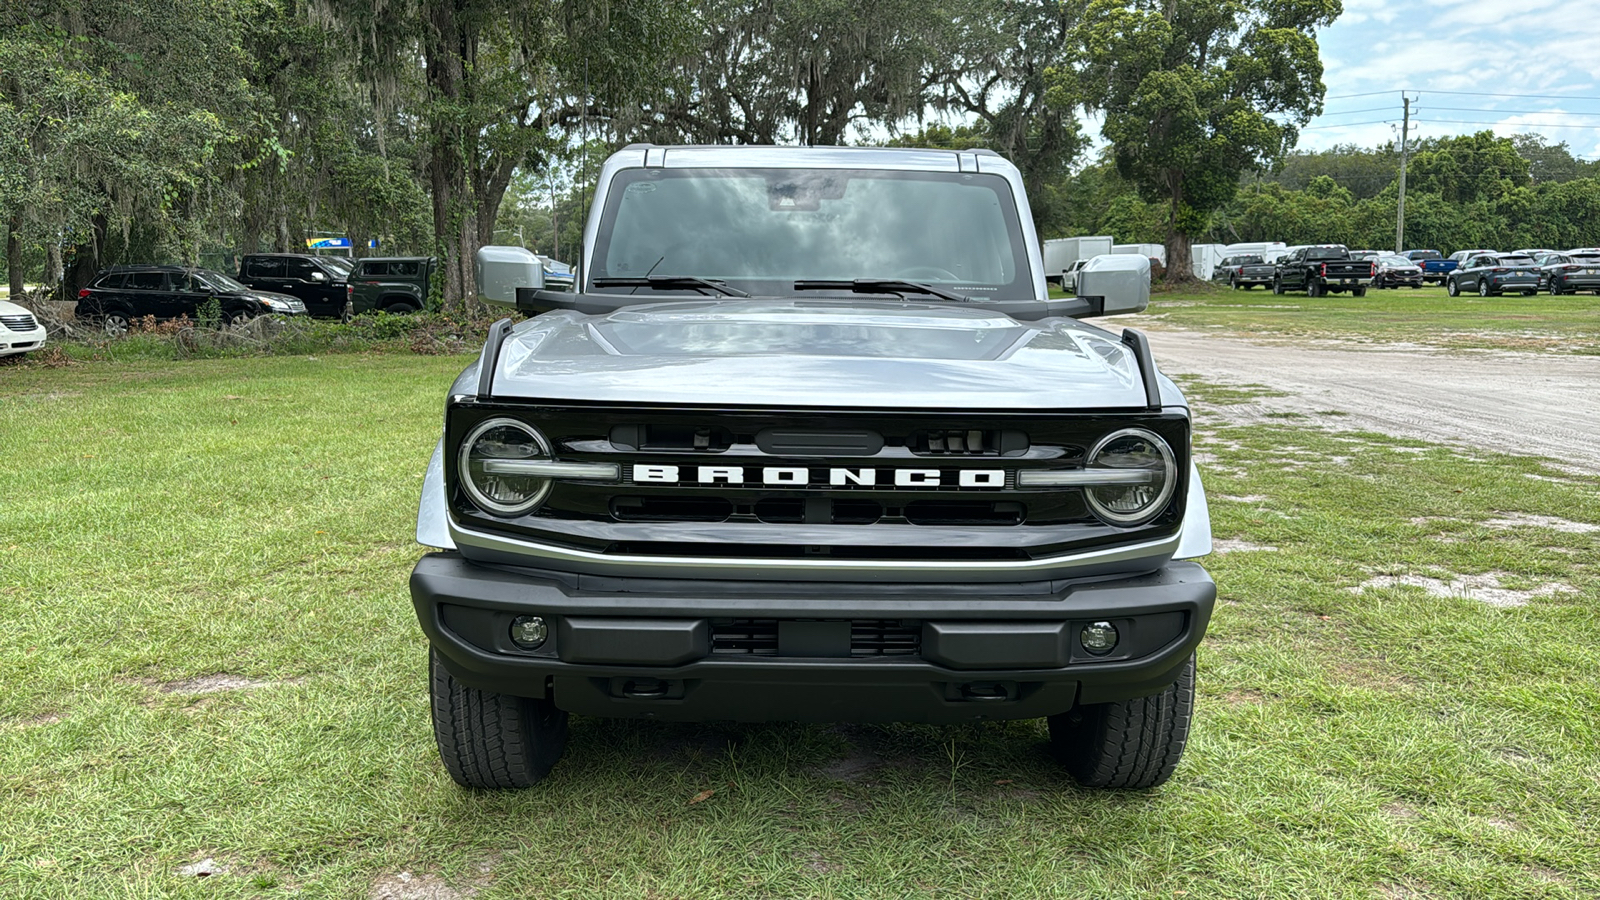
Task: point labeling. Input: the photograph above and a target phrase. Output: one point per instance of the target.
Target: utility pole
(1400, 217)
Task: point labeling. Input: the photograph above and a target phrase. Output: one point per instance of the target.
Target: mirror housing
(502, 270)
(1115, 284)
(319, 277)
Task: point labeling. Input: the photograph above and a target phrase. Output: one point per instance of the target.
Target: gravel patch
(205, 868)
(1485, 588)
(406, 886)
(1510, 402)
(1524, 520)
(1232, 546)
(213, 684)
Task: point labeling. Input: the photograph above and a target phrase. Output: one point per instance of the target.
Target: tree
(500, 82)
(1189, 91)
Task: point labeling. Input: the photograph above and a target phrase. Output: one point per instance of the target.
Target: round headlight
(1146, 456)
(504, 493)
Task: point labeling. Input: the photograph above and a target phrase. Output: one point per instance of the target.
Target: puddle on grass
(1485, 588)
(1525, 520)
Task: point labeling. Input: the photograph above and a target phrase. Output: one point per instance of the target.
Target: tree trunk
(14, 254)
(446, 55)
(1180, 265)
(85, 260)
(52, 269)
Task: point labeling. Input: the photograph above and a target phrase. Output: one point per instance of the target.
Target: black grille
(19, 323)
(868, 637)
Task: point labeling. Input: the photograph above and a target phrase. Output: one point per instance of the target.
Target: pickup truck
(1433, 264)
(811, 441)
(1244, 272)
(395, 285)
(1323, 269)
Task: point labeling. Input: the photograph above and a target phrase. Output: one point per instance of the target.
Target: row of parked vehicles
(1332, 268)
(286, 284)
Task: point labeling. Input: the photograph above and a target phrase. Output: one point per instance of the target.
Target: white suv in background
(20, 331)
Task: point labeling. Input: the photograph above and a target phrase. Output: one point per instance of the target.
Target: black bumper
(759, 651)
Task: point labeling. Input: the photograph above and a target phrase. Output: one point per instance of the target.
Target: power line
(1368, 94)
(1522, 96)
(1351, 112)
(1505, 124)
(1349, 124)
(1559, 112)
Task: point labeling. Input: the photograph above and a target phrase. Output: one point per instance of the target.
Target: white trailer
(1269, 251)
(1153, 251)
(1061, 253)
(1205, 258)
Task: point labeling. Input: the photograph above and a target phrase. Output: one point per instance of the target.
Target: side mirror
(502, 270)
(318, 277)
(1115, 284)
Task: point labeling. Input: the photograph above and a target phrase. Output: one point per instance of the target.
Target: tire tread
(1131, 744)
(491, 740)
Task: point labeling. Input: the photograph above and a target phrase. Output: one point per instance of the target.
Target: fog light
(1098, 637)
(529, 632)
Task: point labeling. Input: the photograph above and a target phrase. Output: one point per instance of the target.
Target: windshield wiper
(881, 286)
(668, 282)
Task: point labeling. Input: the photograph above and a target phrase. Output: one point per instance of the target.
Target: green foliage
(1190, 92)
(209, 315)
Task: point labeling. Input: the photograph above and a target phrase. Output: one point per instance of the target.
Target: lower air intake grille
(868, 637)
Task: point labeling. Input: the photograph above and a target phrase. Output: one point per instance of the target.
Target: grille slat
(868, 638)
(19, 323)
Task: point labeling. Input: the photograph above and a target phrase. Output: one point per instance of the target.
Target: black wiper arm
(668, 282)
(881, 286)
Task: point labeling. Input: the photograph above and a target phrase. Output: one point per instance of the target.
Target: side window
(266, 267)
(112, 282)
(374, 269)
(403, 269)
(299, 269)
(147, 281)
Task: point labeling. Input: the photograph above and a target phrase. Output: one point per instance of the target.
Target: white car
(20, 332)
(1069, 277)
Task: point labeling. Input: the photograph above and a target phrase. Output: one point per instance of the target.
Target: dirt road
(1522, 403)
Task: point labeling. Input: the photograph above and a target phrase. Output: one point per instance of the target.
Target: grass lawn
(1426, 316)
(167, 523)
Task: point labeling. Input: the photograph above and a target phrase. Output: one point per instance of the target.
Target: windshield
(1425, 254)
(761, 230)
(219, 281)
(339, 264)
(1395, 261)
(1516, 260)
(1327, 253)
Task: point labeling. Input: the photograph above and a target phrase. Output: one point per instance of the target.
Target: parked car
(20, 331)
(1569, 273)
(1244, 272)
(319, 281)
(557, 274)
(1323, 269)
(1069, 277)
(1434, 266)
(122, 294)
(769, 467)
(1460, 257)
(1365, 254)
(1397, 271)
(396, 284)
(1492, 274)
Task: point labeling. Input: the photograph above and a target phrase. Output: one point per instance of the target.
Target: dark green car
(390, 284)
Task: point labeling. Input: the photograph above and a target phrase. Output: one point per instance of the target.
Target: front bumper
(21, 341)
(636, 647)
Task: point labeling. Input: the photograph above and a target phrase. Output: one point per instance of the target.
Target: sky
(1454, 58)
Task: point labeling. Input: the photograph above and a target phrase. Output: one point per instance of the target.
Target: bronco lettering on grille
(790, 476)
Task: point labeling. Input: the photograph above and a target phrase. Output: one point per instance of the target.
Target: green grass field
(1427, 316)
(251, 518)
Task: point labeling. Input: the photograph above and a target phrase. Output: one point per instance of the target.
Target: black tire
(401, 309)
(1452, 288)
(1130, 744)
(1483, 288)
(1277, 286)
(490, 740)
(115, 323)
(348, 313)
(1358, 292)
(1313, 289)
(1234, 282)
(238, 317)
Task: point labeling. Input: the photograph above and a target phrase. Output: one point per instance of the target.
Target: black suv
(319, 281)
(121, 294)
